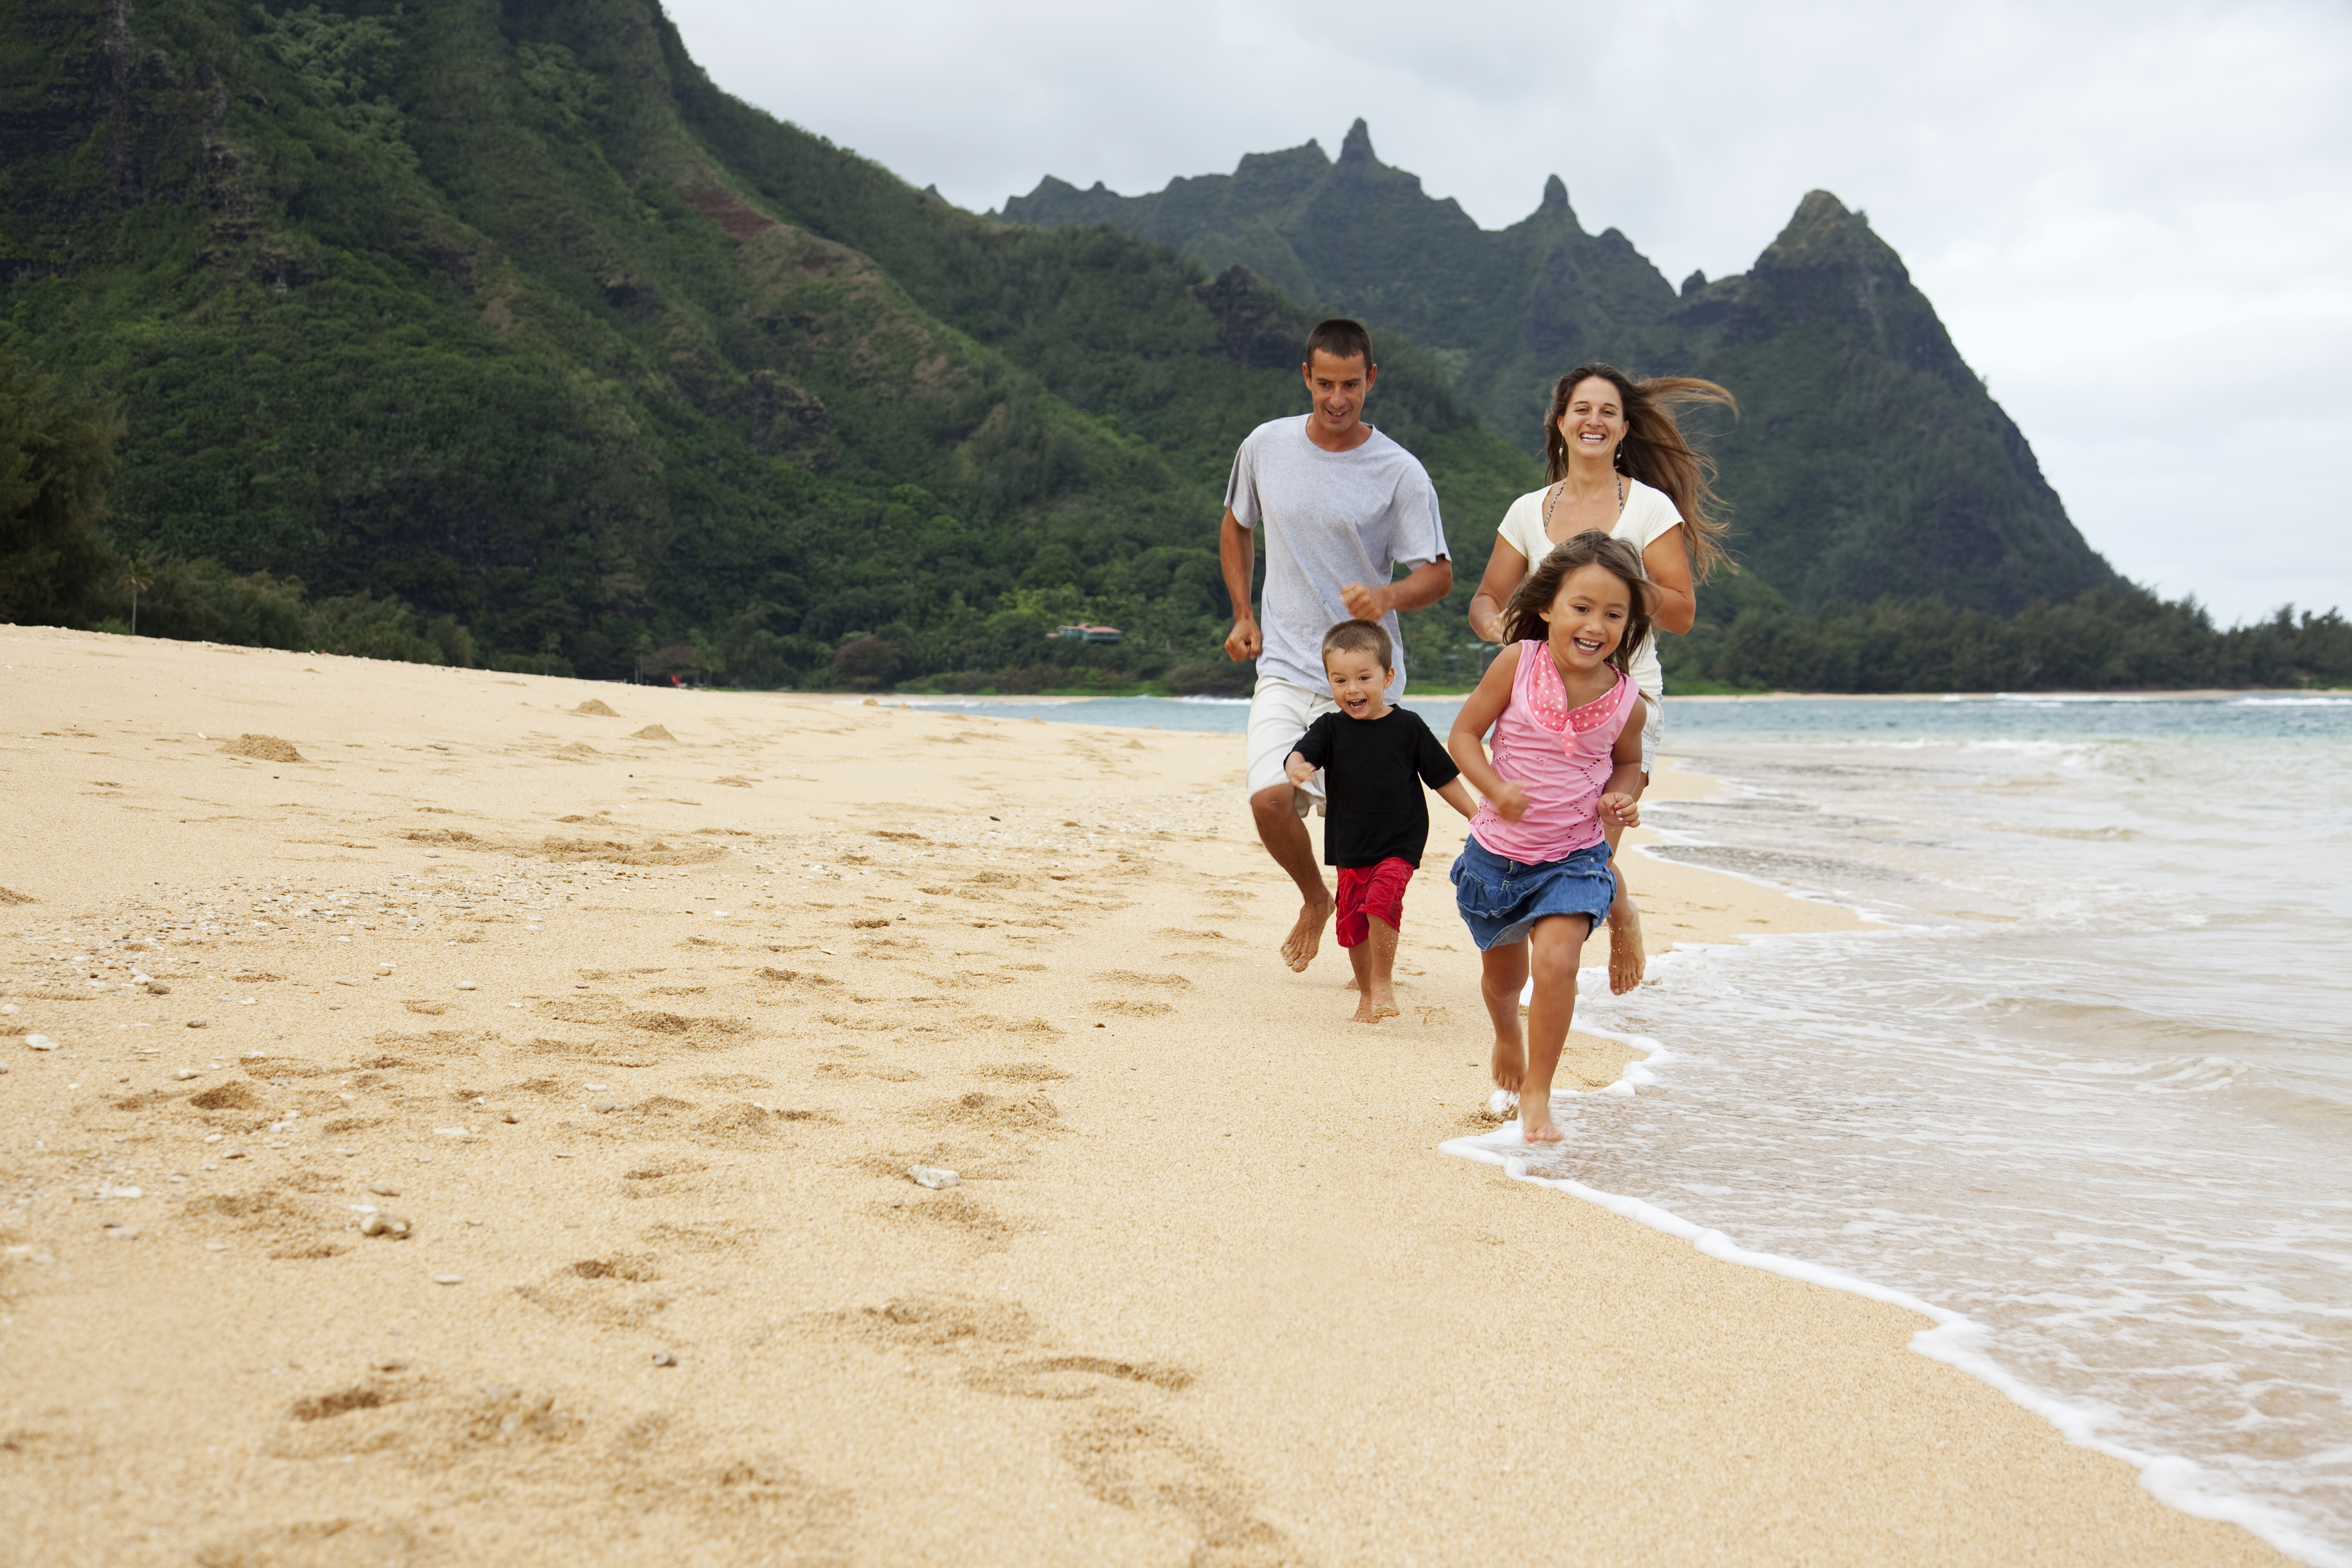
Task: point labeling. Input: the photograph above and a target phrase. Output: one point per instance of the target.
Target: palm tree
(138, 576)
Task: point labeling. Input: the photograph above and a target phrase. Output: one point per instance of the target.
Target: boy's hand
(1510, 801)
(1298, 770)
(1621, 810)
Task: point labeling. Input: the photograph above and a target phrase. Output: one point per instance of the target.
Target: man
(1342, 505)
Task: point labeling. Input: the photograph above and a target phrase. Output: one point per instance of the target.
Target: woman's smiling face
(1587, 616)
(1595, 420)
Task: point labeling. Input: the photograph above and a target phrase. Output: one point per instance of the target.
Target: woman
(1618, 462)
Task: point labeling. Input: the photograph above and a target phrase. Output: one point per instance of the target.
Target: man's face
(1338, 386)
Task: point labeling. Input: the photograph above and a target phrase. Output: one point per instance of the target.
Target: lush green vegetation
(493, 333)
(2104, 640)
(500, 317)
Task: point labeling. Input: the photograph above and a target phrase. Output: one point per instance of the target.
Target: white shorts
(1654, 729)
(1278, 717)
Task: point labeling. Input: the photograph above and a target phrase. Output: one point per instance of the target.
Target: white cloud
(2132, 217)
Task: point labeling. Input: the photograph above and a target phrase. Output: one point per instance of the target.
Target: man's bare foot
(1537, 1126)
(1626, 960)
(1375, 1008)
(1306, 938)
(1510, 1065)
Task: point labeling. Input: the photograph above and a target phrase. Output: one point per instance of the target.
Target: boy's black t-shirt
(1372, 773)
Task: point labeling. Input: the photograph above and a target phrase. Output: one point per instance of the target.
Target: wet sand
(640, 1035)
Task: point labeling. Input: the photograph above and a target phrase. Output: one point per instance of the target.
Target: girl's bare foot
(1375, 1006)
(1510, 1064)
(1626, 960)
(1537, 1126)
(1306, 938)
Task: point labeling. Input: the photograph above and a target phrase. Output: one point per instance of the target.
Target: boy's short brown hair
(1361, 636)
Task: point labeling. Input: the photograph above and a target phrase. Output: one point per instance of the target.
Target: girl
(1567, 770)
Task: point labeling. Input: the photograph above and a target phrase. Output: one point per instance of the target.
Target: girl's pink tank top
(1560, 755)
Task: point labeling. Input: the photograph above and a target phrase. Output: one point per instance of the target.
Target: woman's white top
(1648, 514)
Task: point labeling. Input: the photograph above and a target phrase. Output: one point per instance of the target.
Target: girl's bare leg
(1627, 960)
(1555, 945)
(1499, 984)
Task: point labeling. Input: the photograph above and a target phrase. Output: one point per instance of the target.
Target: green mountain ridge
(505, 311)
(1868, 460)
(490, 331)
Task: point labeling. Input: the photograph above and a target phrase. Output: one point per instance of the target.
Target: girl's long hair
(1523, 617)
(1654, 451)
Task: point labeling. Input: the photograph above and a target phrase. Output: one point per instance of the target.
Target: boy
(1375, 759)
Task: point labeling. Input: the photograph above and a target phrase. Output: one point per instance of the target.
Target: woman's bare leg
(1555, 946)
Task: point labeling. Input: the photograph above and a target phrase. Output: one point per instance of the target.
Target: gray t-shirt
(1330, 518)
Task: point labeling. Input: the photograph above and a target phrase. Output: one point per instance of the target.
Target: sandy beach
(637, 1018)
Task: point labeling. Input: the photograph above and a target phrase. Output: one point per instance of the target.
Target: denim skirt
(1501, 899)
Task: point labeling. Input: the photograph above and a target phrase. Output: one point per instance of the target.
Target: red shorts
(1369, 891)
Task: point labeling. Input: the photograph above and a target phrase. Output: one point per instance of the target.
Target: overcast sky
(2135, 216)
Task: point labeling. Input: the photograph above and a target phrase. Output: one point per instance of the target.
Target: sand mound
(596, 706)
(653, 732)
(262, 748)
(1022, 1072)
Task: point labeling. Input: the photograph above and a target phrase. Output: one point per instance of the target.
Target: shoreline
(1202, 1290)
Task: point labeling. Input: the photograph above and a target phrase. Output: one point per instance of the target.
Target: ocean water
(2083, 1095)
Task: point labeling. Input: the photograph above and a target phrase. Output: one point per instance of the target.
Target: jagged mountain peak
(1823, 341)
(1824, 231)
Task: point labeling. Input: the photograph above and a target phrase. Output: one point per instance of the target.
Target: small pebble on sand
(603, 1106)
(468, 985)
(933, 1176)
(40, 1042)
(448, 1279)
(384, 1190)
(184, 1074)
(663, 1358)
(121, 1233)
(200, 1023)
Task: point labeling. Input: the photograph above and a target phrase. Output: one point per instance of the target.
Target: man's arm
(1417, 590)
(1237, 552)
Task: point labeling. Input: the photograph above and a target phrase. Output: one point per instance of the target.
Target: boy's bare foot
(1510, 1065)
(1306, 938)
(1626, 960)
(1375, 1008)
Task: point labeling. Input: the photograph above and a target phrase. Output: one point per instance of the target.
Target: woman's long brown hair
(1523, 617)
(1654, 451)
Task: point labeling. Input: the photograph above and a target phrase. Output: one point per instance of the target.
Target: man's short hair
(1359, 637)
(1341, 339)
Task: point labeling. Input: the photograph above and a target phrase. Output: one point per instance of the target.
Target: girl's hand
(1509, 800)
(1298, 770)
(1621, 810)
